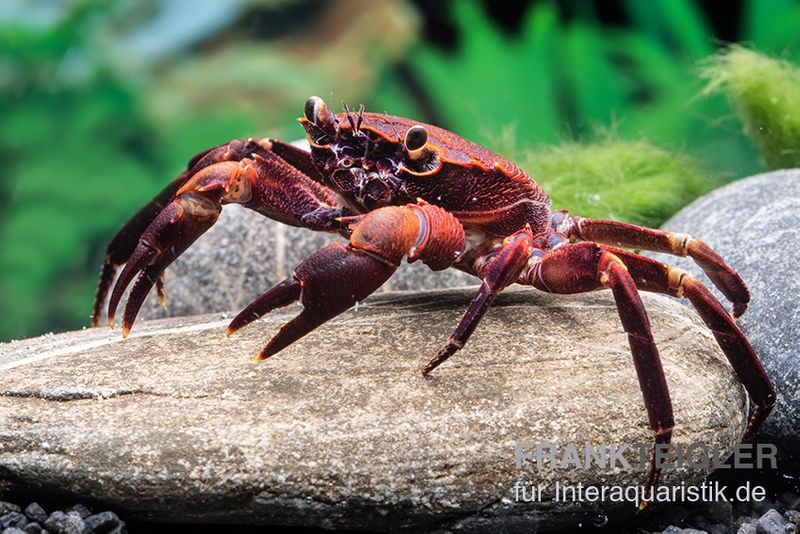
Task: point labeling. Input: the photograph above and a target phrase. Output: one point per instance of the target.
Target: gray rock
(755, 224)
(761, 506)
(79, 509)
(178, 424)
(13, 519)
(102, 522)
(65, 523)
(36, 513)
(773, 523)
(244, 254)
(793, 516)
(6, 507)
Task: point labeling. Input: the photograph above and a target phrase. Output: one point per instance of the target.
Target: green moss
(766, 94)
(632, 181)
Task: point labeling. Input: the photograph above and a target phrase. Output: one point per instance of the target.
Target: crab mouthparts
(370, 189)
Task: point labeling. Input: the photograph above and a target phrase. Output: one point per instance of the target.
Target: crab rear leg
(626, 235)
(263, 181)
(651, 275)
(582, 267)
(337, 276)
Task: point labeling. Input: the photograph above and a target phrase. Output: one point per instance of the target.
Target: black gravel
(778, 513)
(77, 519)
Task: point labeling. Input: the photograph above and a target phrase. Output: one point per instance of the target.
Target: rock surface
(755, 224)
(244, 254)
(176, 423)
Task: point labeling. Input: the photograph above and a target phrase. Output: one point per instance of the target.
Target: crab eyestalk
(319, 122)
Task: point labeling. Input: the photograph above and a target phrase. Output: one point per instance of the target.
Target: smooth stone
(754, 224)
(339, 430)
(244, 254)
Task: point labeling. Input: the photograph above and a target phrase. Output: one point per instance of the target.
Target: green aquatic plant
(76, 154)
(765, 93)
(631, 181)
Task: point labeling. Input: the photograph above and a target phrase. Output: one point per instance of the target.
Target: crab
(396, 188)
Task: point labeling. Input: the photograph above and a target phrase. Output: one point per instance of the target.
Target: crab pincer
(328, 283)
(194, 209)
(174, 229)
(334, 278)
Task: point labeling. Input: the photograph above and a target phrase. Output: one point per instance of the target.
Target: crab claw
(178, 225)
(328, 282)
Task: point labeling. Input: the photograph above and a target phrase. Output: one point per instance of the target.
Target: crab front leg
(498, 269)
(262, 181)
(122, 245)
(337, 276)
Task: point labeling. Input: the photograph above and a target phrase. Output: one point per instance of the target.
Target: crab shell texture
(365, 158)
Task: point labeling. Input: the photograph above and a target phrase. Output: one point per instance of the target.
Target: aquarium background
(102, 103)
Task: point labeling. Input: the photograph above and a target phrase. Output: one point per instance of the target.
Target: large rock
(244, 254)
(755, 224)
(177, 423)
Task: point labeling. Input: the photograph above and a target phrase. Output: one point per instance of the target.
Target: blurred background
(102, 103)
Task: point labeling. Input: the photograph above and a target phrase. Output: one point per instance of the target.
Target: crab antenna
(360, 116)
(390, 123)
(350, 117)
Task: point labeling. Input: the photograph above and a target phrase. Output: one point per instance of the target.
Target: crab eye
(321, 127)
(314, 104)
(416, 139)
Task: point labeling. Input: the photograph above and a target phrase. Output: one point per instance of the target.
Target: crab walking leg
(264, 183)
(583, 267)
(654, 276)
(334, 278)
(626, 235)
(498, 271)
(125, 241)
